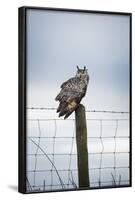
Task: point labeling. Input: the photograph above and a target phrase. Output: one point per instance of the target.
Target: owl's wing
(69, 97)
(70, 82)
(68, 89)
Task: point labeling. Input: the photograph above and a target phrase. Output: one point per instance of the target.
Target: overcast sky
(57, 42)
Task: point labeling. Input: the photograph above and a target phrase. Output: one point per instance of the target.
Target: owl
(72, 92)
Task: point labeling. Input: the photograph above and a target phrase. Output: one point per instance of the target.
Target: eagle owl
(72, 92)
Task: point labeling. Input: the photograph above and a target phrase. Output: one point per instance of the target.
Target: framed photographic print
(75, 96)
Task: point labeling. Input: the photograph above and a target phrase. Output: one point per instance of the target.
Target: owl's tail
(66, 108)
(62, 109)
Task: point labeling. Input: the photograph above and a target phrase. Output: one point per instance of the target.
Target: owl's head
(82, 73)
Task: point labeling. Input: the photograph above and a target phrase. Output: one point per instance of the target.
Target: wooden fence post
(82, 151)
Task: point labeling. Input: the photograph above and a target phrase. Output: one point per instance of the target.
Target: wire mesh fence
(52, 155)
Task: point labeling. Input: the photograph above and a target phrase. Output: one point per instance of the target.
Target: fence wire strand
(36, 153)
(98, 111)
(101, 153)
(70, 156)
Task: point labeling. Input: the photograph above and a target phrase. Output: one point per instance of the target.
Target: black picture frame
(23, 91)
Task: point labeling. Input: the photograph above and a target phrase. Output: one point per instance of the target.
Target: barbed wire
(95, 111)
(58, 119)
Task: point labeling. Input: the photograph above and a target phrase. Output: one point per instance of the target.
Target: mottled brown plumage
(72, 92)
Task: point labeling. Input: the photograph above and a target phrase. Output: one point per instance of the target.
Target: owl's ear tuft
(84, 68)
(77, 67)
